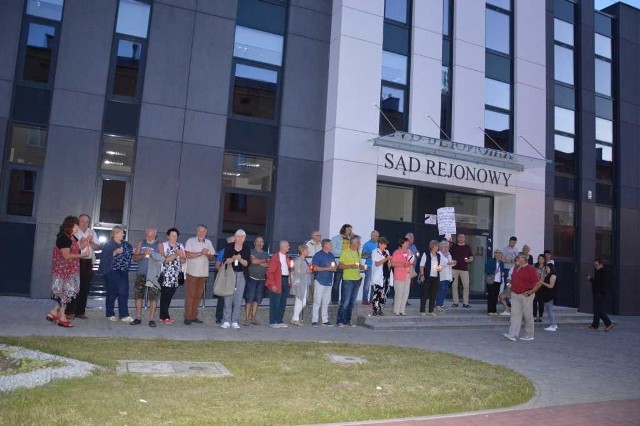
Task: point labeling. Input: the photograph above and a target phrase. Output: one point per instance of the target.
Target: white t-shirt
(446, 274)
(284, 268)
(377, 274)
(199, 266)
(87, 251)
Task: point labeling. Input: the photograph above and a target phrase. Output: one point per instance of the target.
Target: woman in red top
(402, 262)
(65, 271)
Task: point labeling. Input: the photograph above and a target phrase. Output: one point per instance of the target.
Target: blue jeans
(278, 303)
(117, 287)
(443, 287)
(548, 306)
(348, 299)
(366, 286)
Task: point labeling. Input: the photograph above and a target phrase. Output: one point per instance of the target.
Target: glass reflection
(246, 172)
(21, 192)
(563, 64)
(40, 42)
(27, 145)
(258, 46)
(504, 4)
(133, 18)
(497, 94)
(117, 154)
(563, 31)
(564, 159)
(254, 92)
(446, 11)
(396, 10)
(48, 9)
(603, 46)
(497, 31)
(604, 162)
(603, 77)
(445, 84)
(497, 129)
(125, 81)
(392, 105)
(112, 201)
(604, 130)
(394, 67)
(564, 120)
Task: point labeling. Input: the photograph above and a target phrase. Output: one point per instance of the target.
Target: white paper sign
(446, 221)
(430, 219)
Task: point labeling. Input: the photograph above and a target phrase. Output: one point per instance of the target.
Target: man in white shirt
(314, 245)
(78, 306)
(199, 251)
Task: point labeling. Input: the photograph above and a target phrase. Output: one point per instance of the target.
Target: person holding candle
(141, 254)
(254, 290)
(300, 283)
(350, 264)
(339, 243)
(324, 266)
(278, 283)
(463, 255)
(402, 261)
(115, 261)
(446, 275)
(430, 283)
(238, 255)
(379, 257)
(367, 249)
(494, 276)
(173, 256)
(200, 252)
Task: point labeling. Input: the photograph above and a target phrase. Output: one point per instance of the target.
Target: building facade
(281, 117)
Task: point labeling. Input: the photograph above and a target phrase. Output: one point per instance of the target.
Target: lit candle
(291, 263)
(333, 264)
(418, 254)
(235, 262)
(311, 268)
(357, 265)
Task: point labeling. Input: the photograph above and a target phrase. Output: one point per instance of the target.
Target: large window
(113, 201)
(498, 114)
(394, 203)
(117, 154)
(604, 232)
(604, 108)
(447, 69)
(563, 228)
(27, 145)
(247, 172)
(257, 67)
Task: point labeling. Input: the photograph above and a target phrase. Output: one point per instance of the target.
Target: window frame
(102, 176)
(113, 61)
(27, 20)
(405, 104)
(276, 108)
(6, 175)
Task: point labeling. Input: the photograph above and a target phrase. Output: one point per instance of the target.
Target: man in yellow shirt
(350, 265)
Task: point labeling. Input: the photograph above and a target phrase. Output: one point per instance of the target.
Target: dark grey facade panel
(44, 241)
(10, 24)
(210, 69)
(322, 6)
(225, 9)
(3, 137)
(251, 138)
(121, 118)
(155, 184)
(305, 144)
(168, 59)
(297, 199)
(16, 270)
(199, 193)
(77, 109)
(309, 23)
(628, 80)
(31, 105)
(186, 4)
(628, 304)
(161, 122)
(85, 45)
(204, 128)
(6, 87)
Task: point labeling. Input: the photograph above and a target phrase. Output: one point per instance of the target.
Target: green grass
(272, 383)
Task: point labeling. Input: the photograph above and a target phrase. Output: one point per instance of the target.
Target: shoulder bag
(225, 283)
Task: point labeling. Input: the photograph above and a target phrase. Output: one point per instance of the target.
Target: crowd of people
(325, 271)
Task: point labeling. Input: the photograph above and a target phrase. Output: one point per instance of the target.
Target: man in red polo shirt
(524, 284)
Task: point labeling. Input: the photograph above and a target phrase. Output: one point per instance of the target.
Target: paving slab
(172, 368)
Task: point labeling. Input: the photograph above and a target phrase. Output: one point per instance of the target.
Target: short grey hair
(443, 244)
(117, 230)
(240, 233)
(432, 244)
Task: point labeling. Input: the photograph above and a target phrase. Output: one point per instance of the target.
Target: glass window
(445, 117)
(604, 107)
(565, 120)
(245, 211)
(497, 94)
(27, 145)
(564, 9)
(602, 24)
(604, 130)
(394, 203)
(497, 31)
(21, 196)
(604, 226)
(396, 10)
(496, 127)
(117, 154)
(603, 77)
(125, 80)
(504, 4)
(48, 9)
(563, 31)
(472, 211)
(258, 46)
(133, 19)
(254, 91)
(604, 162)
(394, 67)
(445, 83)
(497, 67)
(563, 64)
(564, 96)
(564, 228)
(446, 13)
(40, 42)
(564, 157)
(392, 105)
(603, 46)
(112, 201)
(241, 171)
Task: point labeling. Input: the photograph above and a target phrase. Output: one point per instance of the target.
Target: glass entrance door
(478, 244)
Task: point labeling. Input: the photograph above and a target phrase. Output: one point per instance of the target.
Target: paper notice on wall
(430, 219)
(446, 221)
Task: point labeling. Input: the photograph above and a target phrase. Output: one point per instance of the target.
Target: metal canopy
(460, 151)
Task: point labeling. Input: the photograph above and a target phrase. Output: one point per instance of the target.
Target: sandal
(51, 318)
(65, 323)
(256, 322)
(247, 323)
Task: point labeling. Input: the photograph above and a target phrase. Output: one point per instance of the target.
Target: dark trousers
(429, 291)
(335, 290)
(599, 312)
(492, 297)
(278, 302)
(117, 287)
(166, 295)
(538, 306)
(78, 306)
(219, 309)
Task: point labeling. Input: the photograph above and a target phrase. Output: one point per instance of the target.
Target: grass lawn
(272, 383)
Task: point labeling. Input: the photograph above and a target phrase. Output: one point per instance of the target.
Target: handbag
(181, 278)
(225, 283)
(490, 279)
(161, 278)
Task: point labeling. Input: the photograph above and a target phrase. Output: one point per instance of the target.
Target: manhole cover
(172, 368)
(343, 359)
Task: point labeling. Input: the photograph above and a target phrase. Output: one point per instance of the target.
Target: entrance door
(478, 244)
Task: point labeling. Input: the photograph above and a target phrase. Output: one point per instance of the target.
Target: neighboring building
(281, 117)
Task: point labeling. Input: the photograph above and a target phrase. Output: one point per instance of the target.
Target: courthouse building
(281, 117)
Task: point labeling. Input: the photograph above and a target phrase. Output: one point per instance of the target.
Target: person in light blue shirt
(324, 266)
(367, 249)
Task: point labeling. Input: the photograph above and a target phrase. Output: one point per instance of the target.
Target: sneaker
(235, 326)
(380, 314)
(167, 321)
(327, 324)
(282, 325)
(340, 325)
(187, 322)
(439, 308)
(552, 327)
(225, 325)
(152, 323)
(272, 326)
(593, 328)
(314, 324)
(113, 318)
(505, 313)
(466, 306)
(170, 321)
(135, 322)
(609, 327)
(127, 320)
(510, 337)
(218, 321)
(526, 338)
(454, 305)
(423, 314)
(432, 314)
(353, 325)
